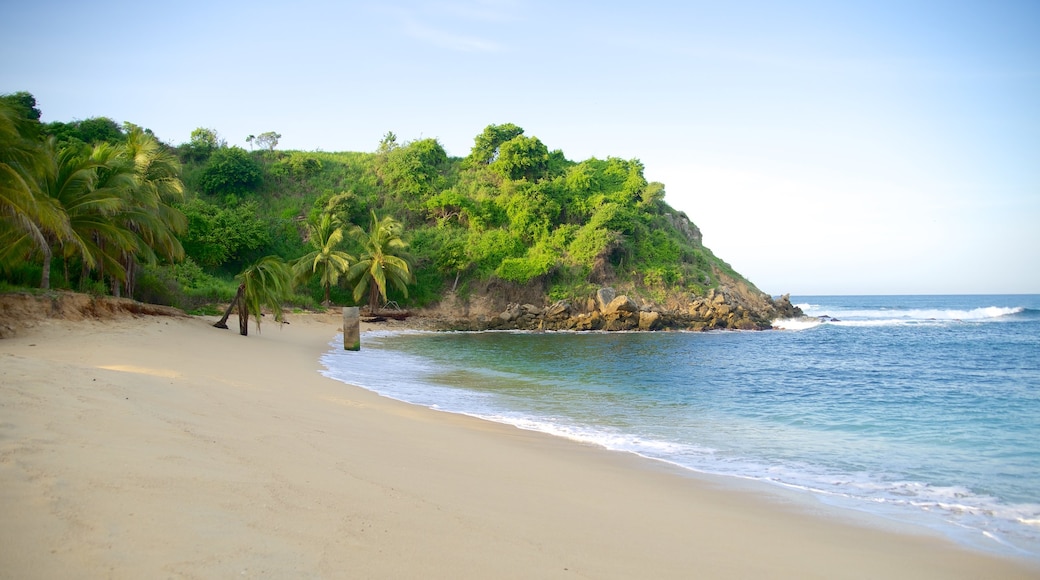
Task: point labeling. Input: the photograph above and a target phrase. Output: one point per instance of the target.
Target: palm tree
(325, 260)
(101, 239)
(149, 213)
(24, 216)
(67, 182)
(106, 206)
(266, 282)
(382, 260)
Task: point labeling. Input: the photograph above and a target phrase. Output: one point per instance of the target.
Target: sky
(821, 147)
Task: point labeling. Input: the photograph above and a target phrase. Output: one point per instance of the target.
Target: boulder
(620, 304)
(558, 309)
(604, 296)
(511, 313)
(531, 309)
(649, 320)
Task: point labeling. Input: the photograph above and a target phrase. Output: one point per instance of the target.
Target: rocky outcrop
(733, 307)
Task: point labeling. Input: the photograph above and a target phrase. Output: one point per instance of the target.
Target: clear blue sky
(822, 147)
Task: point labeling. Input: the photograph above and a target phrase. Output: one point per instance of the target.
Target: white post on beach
(351, 328)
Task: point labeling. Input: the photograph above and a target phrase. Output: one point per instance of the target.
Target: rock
(620, 304)
(620, 321)
(649, 320)
(558, 309)
(511, 313)
(531, 309)
(730, 304)
(604, 296)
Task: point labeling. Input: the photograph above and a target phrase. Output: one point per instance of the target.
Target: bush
(539, 261)
(230, 170)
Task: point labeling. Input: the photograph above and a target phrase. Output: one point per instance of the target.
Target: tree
(25, 103)
(205, 139)
(27, 216)
(414, 170)
(388, 143)
(485, 146)
(268, 140)
(98, 130)
(86, 132)
(103, 207)
(66, 182)
(382, 261)
(149, 212)
(218, 235)
(230, 170)
(265, 283)
(204, 142)
(522, 158)
(325, 260)
(100, 238)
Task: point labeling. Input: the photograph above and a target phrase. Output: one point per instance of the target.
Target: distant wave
(897, 317)
(796, 323)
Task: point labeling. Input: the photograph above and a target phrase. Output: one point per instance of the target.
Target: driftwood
(384, 314)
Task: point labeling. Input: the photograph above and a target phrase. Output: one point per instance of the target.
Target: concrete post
(351, 328)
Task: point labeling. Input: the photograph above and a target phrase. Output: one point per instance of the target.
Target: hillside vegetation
(513, 221)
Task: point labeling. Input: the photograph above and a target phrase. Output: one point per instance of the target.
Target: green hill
(511, 223)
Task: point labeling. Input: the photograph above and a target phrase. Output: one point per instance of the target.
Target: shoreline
(832, 503)
(138, 446)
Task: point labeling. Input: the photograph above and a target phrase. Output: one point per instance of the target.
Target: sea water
(925, 409)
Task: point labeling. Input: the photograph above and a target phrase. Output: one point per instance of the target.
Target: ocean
(921, 409)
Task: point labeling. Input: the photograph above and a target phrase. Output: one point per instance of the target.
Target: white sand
(161, 447)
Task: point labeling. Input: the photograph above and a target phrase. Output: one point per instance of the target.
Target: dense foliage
(100, 203)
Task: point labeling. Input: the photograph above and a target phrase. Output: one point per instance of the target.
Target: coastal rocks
(730, 307)
(558, 310)
(648, 320)
(619, 304)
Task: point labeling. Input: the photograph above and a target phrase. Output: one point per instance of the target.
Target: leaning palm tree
(24, 215)
(266, 282)
(382, 260)
(324, 260)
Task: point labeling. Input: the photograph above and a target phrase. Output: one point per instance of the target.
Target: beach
(159, 446)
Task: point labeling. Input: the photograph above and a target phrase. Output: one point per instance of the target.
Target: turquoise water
(921, 408)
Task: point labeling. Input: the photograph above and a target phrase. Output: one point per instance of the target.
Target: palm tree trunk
(84, 276)
(45, 276)
(373, 297)
(243, 316)
(222, 323)
(131, 275)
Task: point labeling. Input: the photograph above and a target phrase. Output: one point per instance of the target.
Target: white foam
(796, 323)
(892, 316)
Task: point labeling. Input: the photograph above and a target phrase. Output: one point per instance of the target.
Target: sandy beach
(161, 447)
